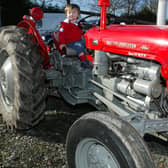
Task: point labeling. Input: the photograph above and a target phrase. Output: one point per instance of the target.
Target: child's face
(73, 14)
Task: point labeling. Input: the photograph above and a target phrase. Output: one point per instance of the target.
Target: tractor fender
(29, 25)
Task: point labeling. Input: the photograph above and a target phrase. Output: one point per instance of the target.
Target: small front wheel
(101, 140)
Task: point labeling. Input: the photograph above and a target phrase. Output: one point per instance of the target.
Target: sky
(82, 3)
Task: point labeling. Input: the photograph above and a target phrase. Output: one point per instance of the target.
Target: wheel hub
(7, 83)
(91, 153)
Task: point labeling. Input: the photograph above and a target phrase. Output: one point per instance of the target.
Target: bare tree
(132, 6)
(152, 5)
(125, 6)
(116, 5)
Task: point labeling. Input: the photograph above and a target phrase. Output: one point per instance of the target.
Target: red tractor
(128, 85)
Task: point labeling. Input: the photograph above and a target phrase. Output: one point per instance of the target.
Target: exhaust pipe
(103, 4)
(161, 13)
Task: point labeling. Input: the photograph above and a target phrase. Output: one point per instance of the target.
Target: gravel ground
(38, 148)
(44, 145)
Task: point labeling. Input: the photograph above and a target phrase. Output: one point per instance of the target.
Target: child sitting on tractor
(70, 34)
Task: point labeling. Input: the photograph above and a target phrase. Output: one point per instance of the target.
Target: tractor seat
(69, 51)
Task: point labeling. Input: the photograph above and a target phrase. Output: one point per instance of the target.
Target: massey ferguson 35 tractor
(128, 85)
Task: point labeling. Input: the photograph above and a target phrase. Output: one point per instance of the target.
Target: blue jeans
(78, 46)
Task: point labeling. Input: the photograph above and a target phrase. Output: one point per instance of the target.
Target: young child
(70, 35)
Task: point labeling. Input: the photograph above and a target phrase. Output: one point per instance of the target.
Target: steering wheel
(88, 22)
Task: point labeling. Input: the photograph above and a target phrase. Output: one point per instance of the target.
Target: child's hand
(62, 46)
(63, 49)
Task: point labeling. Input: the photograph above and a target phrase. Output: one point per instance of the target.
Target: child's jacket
(69, 32)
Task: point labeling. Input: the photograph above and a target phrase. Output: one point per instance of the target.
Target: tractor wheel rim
(91, 153)
(7, 83)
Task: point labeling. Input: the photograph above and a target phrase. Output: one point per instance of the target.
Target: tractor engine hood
(144, 41)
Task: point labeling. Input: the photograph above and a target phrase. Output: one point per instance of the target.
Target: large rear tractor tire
(22, 79)
(99, 140)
